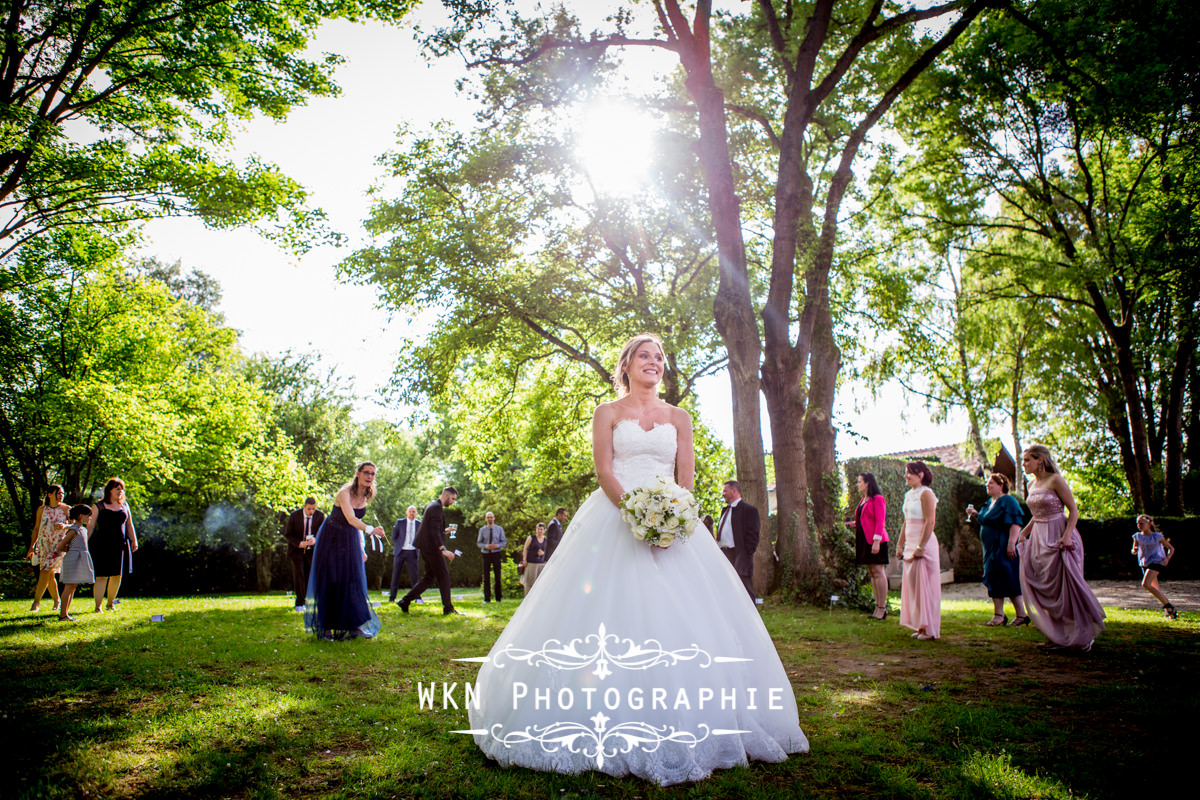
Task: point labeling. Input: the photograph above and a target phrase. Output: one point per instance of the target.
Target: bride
(626, 657)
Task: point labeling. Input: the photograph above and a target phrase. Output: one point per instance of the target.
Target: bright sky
(279, 302)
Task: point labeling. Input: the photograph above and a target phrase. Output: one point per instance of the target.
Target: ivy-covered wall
(959, 542)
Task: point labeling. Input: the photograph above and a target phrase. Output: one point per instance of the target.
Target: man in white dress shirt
(404, 533)
(491, 544)
(300, 531)
(737, 533)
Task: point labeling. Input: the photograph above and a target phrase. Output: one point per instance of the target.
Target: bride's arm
(602, 452)
(685, 453)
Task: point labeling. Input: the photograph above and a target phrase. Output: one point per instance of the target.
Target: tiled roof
(948, 455)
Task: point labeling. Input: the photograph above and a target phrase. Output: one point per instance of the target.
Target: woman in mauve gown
(1057, 597)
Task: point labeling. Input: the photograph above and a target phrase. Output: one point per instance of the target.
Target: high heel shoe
(880, 613)
(991, 623)
(1018, 621)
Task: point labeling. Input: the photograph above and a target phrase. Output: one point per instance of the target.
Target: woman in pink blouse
(870, 539)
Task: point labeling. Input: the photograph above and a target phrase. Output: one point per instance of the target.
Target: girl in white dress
(76, 560)
(635, 659)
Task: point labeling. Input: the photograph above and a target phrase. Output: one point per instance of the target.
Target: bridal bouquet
(660, 512)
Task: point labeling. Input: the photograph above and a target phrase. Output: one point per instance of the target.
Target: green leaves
(115, 111)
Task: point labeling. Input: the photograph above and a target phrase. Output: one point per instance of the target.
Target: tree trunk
(733, 308)
(1141, 484)
(1018, 384)
(819, 434)
(797, 551)
(262, 568)
(1173, 429)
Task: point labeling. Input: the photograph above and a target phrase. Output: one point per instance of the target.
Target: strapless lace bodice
(639, 455)
(1045, 504)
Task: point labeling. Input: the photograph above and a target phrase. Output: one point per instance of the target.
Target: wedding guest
(491, 542)
(554, 531)
(1058, 598)
(870, 539)
(434, 553)
(49, 523)
(300, 531)
(921, 583)
(533, 557)
(112, 541)
(337, 603)
(76, 560)
(737, 533)
(1154, 552)
(404, 550)
(999, 530)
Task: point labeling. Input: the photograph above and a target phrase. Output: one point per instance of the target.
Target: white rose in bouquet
(661, 512)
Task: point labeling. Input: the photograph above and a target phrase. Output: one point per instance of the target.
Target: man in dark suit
(431, 543)
(300, 530)
(554, 531)
(404, 549)
(737, 533)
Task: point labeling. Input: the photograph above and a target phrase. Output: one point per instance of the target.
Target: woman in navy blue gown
(338, 606)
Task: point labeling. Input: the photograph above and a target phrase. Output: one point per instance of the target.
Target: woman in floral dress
(49, 525)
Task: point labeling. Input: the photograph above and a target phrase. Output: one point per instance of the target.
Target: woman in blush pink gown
(921, 584)
(1059, 600)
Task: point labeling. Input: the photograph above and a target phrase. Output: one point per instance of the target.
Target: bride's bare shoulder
(681, 418)
(605, 413)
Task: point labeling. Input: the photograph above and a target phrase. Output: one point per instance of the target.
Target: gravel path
(1184, 595)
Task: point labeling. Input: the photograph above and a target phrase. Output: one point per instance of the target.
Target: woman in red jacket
(870, 539)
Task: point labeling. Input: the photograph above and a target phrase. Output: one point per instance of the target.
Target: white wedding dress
(628, 658)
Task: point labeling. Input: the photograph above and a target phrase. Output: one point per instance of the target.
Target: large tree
(106, 372)
(537, 278)
(114, 110)
(1064, 137)
(806, 84)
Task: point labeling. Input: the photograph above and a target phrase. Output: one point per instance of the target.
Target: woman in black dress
(112, 541)
(870, 539)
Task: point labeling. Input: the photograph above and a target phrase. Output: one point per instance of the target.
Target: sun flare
(614, 144)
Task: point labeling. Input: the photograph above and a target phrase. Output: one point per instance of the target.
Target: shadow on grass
(228, 698)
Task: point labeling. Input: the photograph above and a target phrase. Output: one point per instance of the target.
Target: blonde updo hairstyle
(1042, 454)
(620, 378)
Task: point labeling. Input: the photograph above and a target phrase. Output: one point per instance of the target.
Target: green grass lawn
(228, 698)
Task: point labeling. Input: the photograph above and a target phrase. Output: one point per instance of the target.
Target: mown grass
(228, 698)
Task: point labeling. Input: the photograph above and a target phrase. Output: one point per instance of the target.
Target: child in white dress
(77, 561)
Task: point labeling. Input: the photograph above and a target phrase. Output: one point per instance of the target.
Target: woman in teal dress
(1000, 522)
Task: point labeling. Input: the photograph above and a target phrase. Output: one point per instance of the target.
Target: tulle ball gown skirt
(338, 606)
(632, 659)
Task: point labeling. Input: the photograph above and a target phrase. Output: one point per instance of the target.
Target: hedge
(1106, 543)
